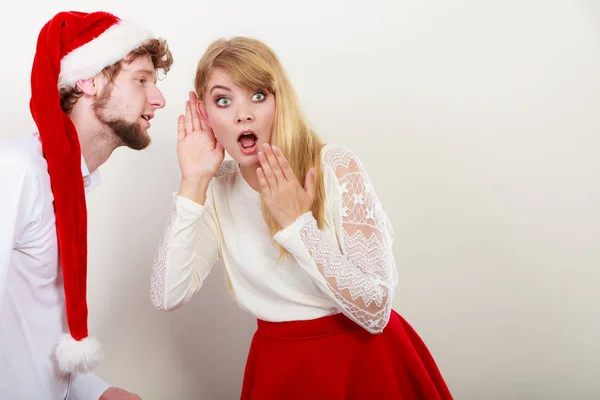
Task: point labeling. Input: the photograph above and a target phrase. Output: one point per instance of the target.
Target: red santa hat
(72, 46)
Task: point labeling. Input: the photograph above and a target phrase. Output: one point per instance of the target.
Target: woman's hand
(199, 153)
(281, 191)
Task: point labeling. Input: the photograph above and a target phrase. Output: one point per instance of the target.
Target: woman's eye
(223, 101)
(259, 96)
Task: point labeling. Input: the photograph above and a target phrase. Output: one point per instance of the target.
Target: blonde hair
(252, 65)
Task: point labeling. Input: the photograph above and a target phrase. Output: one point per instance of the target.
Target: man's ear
(202, 111)
(88, 86)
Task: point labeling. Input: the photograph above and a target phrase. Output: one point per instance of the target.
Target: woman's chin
(246, 160)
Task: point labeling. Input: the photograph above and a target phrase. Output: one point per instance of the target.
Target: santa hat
(72, 46)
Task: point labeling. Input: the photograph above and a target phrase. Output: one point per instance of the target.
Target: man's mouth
(147, 118)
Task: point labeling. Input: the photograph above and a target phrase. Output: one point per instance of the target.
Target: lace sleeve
(186, 253)
(360, 274)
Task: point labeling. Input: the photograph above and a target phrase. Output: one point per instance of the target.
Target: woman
(303, 238)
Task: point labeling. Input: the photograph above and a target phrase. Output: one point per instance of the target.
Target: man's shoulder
(23, 154)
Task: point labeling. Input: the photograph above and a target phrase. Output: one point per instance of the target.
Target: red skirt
(332, 358)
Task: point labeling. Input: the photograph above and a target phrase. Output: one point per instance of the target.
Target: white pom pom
(78, 355)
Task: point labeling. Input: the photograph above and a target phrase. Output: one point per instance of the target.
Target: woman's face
(241, 119)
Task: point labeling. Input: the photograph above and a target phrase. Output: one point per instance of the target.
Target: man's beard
(129, 133)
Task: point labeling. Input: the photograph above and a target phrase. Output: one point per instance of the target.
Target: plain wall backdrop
(478, 122)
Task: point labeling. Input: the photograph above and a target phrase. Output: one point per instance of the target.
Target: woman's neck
(249, 174)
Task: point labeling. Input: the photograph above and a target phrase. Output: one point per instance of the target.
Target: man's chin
(139, 145)
(134, 140)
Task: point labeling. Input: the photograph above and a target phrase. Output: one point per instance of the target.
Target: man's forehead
(141, 64)
(142, 70)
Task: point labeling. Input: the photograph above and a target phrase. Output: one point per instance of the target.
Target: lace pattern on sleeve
(157, 294)
(360, 277)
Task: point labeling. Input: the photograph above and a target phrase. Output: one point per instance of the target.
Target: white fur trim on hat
(78, 355)
(113, 45)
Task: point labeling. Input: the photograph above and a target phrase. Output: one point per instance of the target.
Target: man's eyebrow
(145, 71)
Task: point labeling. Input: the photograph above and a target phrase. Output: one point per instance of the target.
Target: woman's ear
(202, 111)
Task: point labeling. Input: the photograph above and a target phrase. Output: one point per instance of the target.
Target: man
(94, 89)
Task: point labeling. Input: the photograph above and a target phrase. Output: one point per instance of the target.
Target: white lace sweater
(347, 267)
